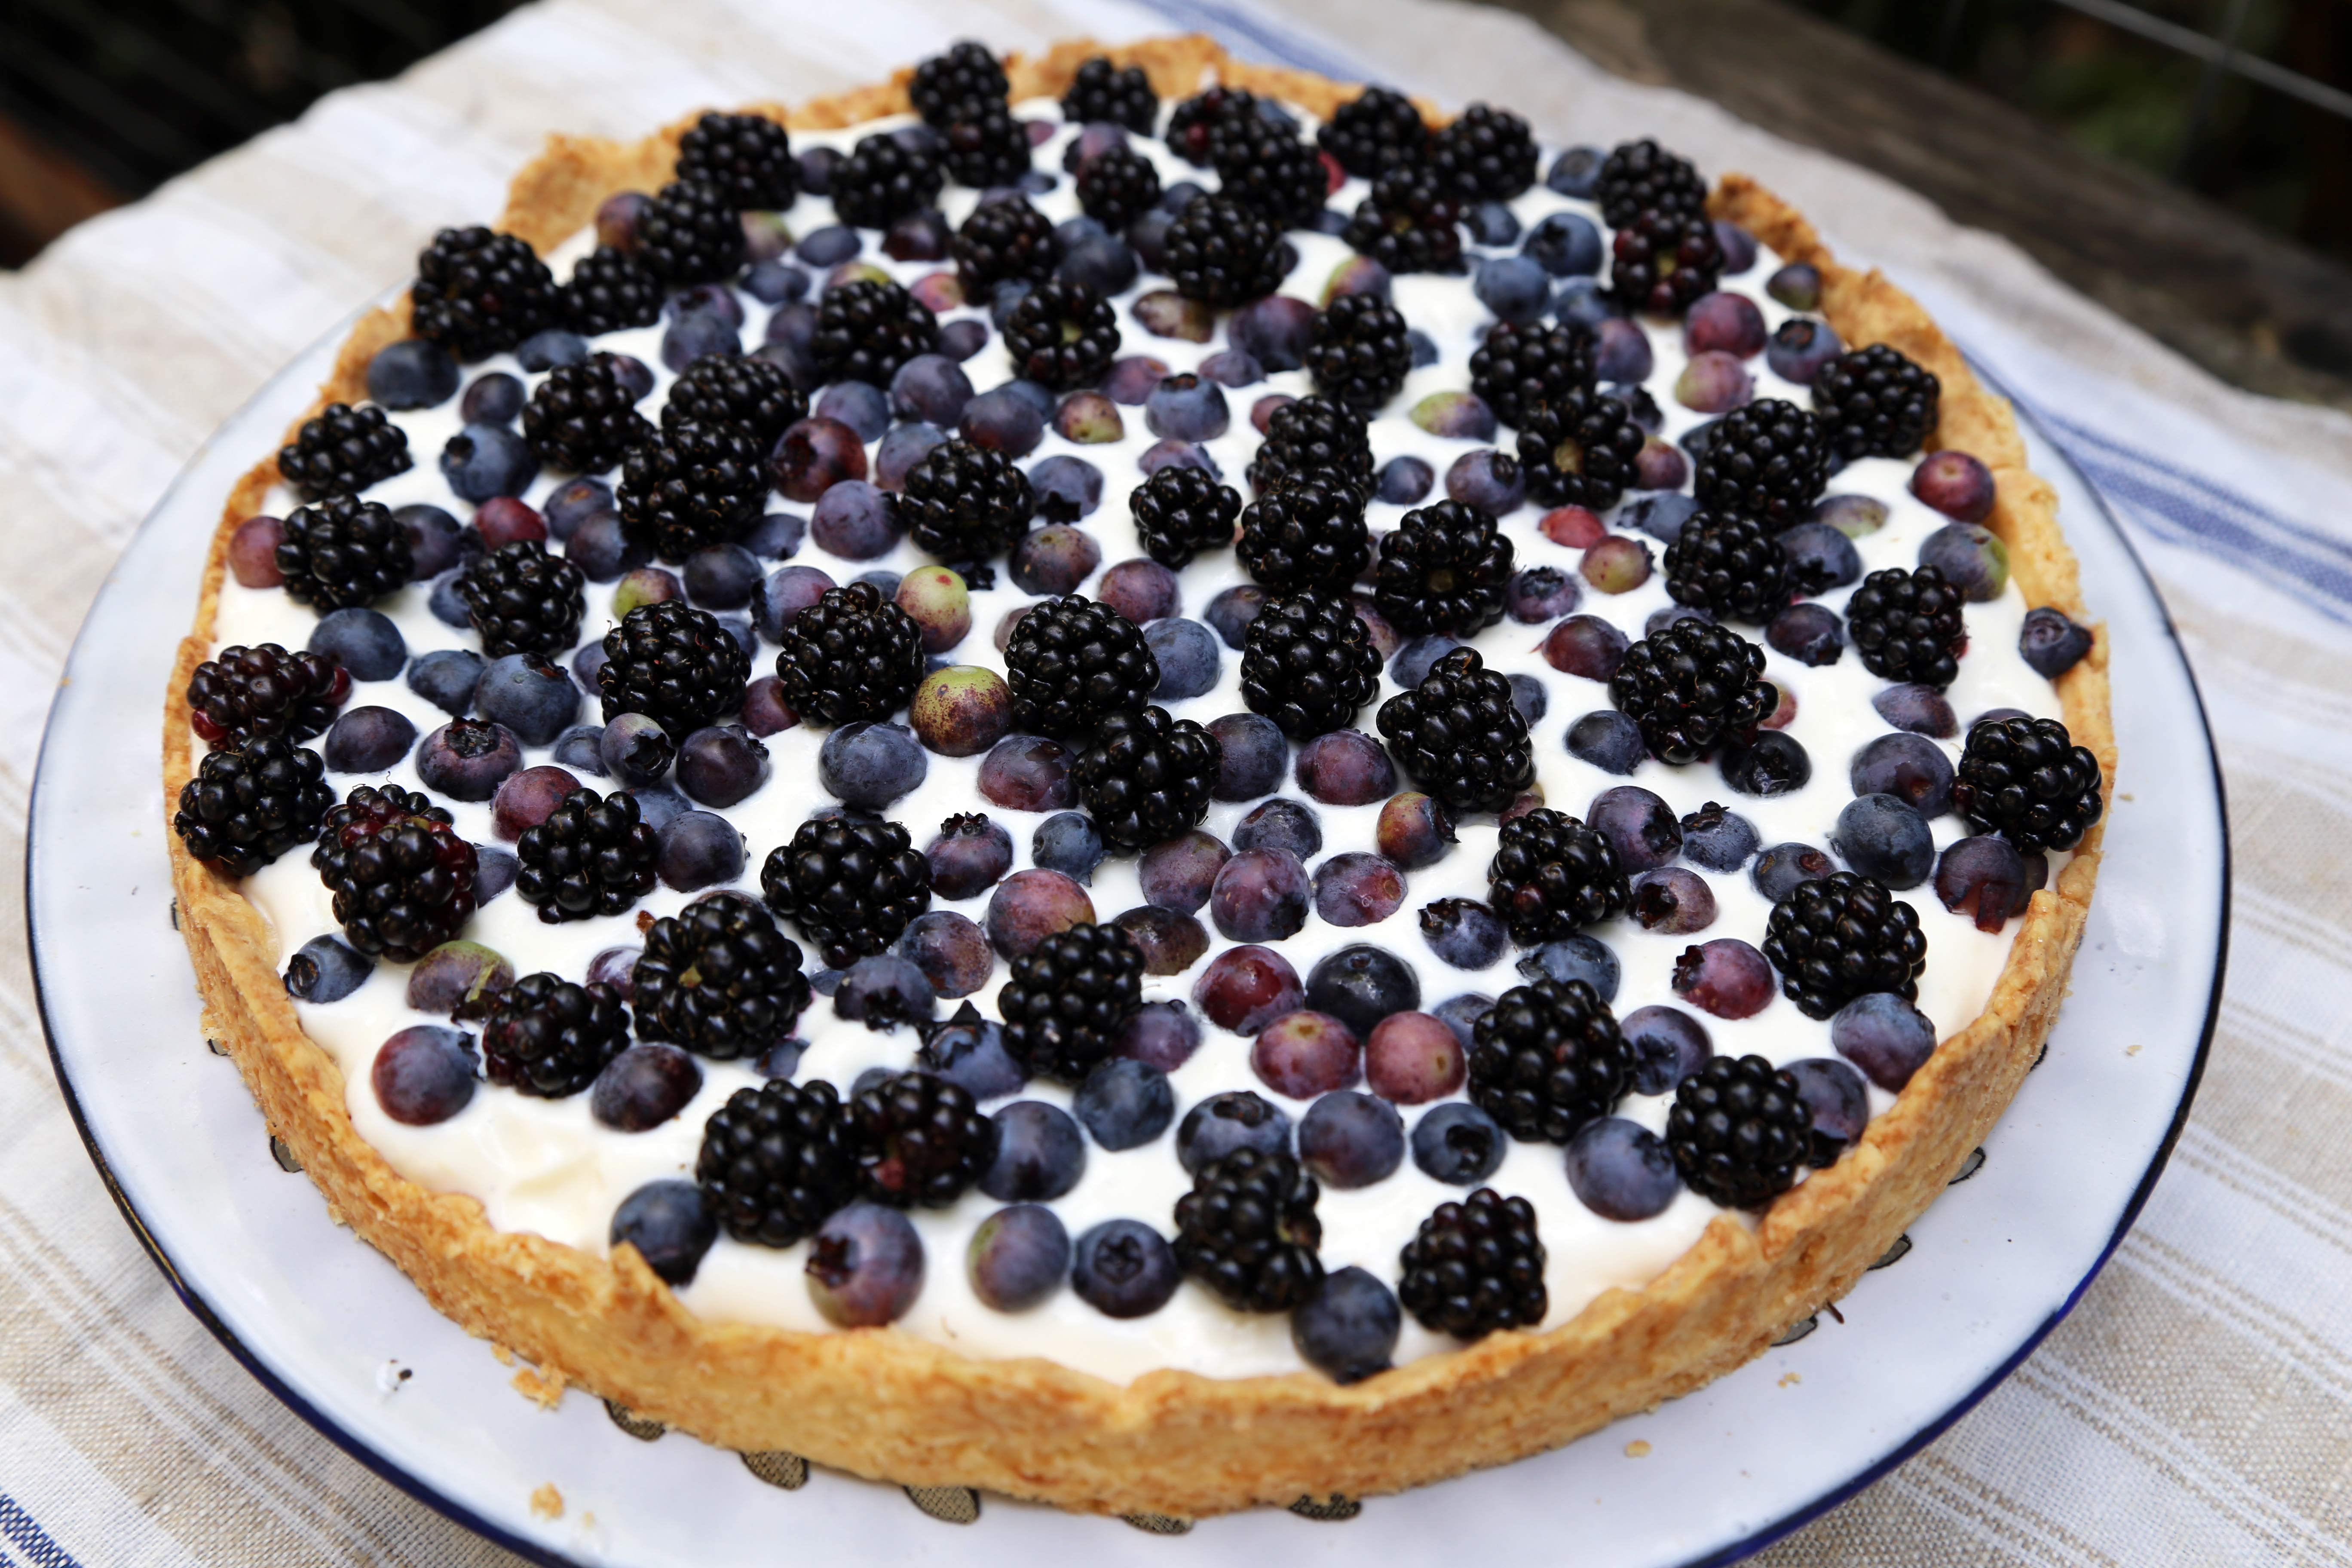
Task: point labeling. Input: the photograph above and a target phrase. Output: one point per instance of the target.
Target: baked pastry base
(886, 1404)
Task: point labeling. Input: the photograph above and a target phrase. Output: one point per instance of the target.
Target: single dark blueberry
(1779, 870)
(1254, 756)
(1019, 1256)
(1068, 842)
(326, 969)
(970, 1050)
(1125, 1103)
(1986, 879)
(536, 700)
(698, 848)
(884, 991)
(1281, 823)
(721, 765)
(1912, 768)
(424, 1075)
(1124, 1269)
(1718, 840)
(1884, 1036)
(2050, 644)
(1459, 1144)
(1668, 1046)
(1347, 1138)
(868, 765)
(467, 759)
(1621, 1170)
(1361, 984)
(482, 461)
(1839, 1101)
(1921, 710)
(1347, 1329)
(951, 951)
(1040, 1153)
(1232, 611)
(494, 398)
(1609, 741)
(1189, 661)
(365, 641)
(671, 1226)
(1809, 633)
(865, 1266)
(644, 1087)
(367, 739)
(494, 872)
(1223, 1123)
(1578, 957)
(1771, 765)
(1463, 932)
(411, 373)
(1881, 838)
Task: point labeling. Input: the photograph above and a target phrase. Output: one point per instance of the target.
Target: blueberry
(644, 1087)
(1579, 957)
(1423, 347)
(436, 542)
(1643, 409)
(1727, 322)
(634, 750)
(865, 1266)
(1276, 331)
(883, 991)
(492, 398)
(424, 1074)
(1921, 710)
(1821, 557)
(1361, 984)
(1068, 842)
(1717, 840)
(1461, 1014)
(920, 236)
(1609, 741)
(1583, 302)
(1912, 768)
(951, 951)
(485, 461)
(1884, 1036)
(1053, 560)
(1019, 1258)
(1125, 1103)
(1348, 1329)
(1621, 1170)
(1577, 172)
(1072, 481)
(1727, 978)
(1245, 988)
(670, 1224)
(722, 577)
(1809, 633)
(697, 849)
(1236, 1119)
(1178, 873)
(546, 350)
(971, 858)
(1187, 408)
(1493, 223)
(1004, 420)
(1026, 773)
(411, 373)
(969, 1050)
(1406, 481)
(1958, 485)
(573, 502)
(467, 759)
(1413, 661)
(326, 969)
(1779, 869)
(1233, 367)
(1668, 1046)
(1103, 261)
(1040, 1153)
(455, 973)
(1771, 765)
(1281, 823)
(1673, 901)
(1491, 481)
(868, 765)
(529, 695)
(1254, 756)
(829, 245)
(864, 408)
(1260, 895)
(1171, 940)
(1540, 593)
(961, 340)
(1463, 932)
(720, 764)
(777, 536)
(1854, 516)
(774, 281)
(1030, 906)
(1349, 1140)
(2050, 644)
(788, 591)
(1880, 836)
(1232, 611)
(1515, 287)
(1800, 347)
(1566, 245)
(1459, 1144)
(1124, 1269)
(1639, 827)
(1187, 652)
(1358, 889)
(1839, 1101)
(600, 548)
(367, 741)
(781, 1059)
(1985, 878)
(1660, 516)
(365, 641)
(1624, 352)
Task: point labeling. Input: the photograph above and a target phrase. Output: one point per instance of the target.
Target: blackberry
(851, 885)
(1907, 625)
(747, 158)
(582, 419)
(1145, 778)
(1222, 253)
(1072, 663)
(964, 502)
(1766, 459)
(342, 552)
(1119, 95)
(1739, 1130)
(1517, 367)
(691, 487)
(1728, 564)
(1691, 687)
(852, 655)
(1475, 1267)
(1411, 222)
(523, 600)
(1461, 736)
(1005, 238)
(548, 1038)
(1266, 167)
(690, 234)
(987, 148)
(1444, 570)
(1661, 262)
(593, 856)
(866, 329)
(1360, 355)
(343, 450)
(1062, 335)
(1248, 1231)
(1547, 1058)
(734, 389)
(1306, 531)
(1118, 187)
(610, 290)
(478, 293)
(674, 664)
(1641, 176)
(1309, 664)
(241, 693)
(719, 979)
(1181, 510)
(401, 879)
(944, 84)
(1195, 123)
(1373, 133)
(1876, 402)
(250, 803)
(2026, 780)
(883, 180)
(1838, 937)
(1579, 449)
(1066, 1000)
(1316, 435)
(1552, 876)
(1487, 154)
(775, 1162)
(919, 1138)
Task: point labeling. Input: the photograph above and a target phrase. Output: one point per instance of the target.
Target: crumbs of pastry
(544, 1389)
(547, 1503)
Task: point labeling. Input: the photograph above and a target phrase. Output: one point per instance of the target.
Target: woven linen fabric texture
(2196, 1408)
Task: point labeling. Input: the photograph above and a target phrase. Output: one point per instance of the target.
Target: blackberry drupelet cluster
(1579, 449)
(852, 655)
(549, 1038)
(1117, 186)
(851, 884)
(1062, 335)
(1373, 133)
(610, 290)
(250, 803)
(775, 1162)
(593, 856)
(2026, 780)
(1739, 1130)
(1309, 664)
(883, 180)
(1002, 239)
(867, 329)
(1875, 402)
(1066, 1000)
(1547, 1058)
(919, 1138)
(1145, 778)
(478, 293)
(401, 879)
(1410, 222)
(241, 693)
(1196, 122)
(342, 551)
(1768, 459)
(1181, 510)
(755, 393)
(1248, 1231)
(964, 502)
(691, 233)
(1072, 663)
(344, 450)
(1475, 1267)
(1101, 92)
(1691, 687)
(523, 600)
(1661, 262)
(943, 86)
(1641, 176)
(1360, 353)
(1552, 876)
(1444, 569)
(1222, 253)
(1313, 436)
(747, 158)
(691, 487)
(582, 419)
(1728, 564)
(1838, 937)
(986, 147)
(674, 664)
(1487, 154)
(1518, 367)
(1461, 736)
(1265, 166)
(718, 979)
(1907, 625)
(1305, 531)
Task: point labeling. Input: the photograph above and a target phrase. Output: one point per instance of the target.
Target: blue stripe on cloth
(1248, 32)
(30, 1539)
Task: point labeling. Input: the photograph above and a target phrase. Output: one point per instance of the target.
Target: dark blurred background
(2188, 162)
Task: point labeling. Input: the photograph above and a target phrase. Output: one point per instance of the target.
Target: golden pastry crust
(883, 1403)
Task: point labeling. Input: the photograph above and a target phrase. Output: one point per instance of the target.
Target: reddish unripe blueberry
(646, 585)
(1781, 717)
(1304, 1054)
(1673, 901)
(1141, 590)
(424, 1074)
(939, 603)
(1132, 380)
(617, 219)
(253, 552)
(1574, 527)
(617, 968)
(1412, 1059)
(1003, 638)
(457, 975)
(1415, 830)
(814, 454)
(1955, 484)
(1726, 977)
(1260, 895)
(529, 799)
(1178, 874)
(1053, 560)
(1346, 767)
(1027, 772)
(1714, 383)
(1262, 412)
(940, 291)
(1385, 638)
(503, 520)
(1659, 466)
(1088, 418)
(1358, 889)
(1618, 565)
(1724, 322)
(1171, 940)
(1165, 313)
(1030, 906)
(1585, 645)
(1357, 275)
(1463, 416)
(1245, 988)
